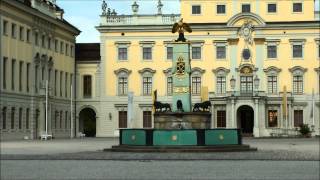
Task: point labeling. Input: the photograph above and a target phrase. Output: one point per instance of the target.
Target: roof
(85, 52)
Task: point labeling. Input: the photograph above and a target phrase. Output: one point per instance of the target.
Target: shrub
(304, 129)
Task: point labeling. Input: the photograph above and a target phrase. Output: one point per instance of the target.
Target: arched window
(221, 74)
(122, 77)
(4, 117)
(167, 73)
(297, 79)
(272, 79)
(147, 75)
(196, 74)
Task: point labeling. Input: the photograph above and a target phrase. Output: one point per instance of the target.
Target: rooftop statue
(181, 27)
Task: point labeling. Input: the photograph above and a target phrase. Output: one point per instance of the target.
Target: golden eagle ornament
(181, 27)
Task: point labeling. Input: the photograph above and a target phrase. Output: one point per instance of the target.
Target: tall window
(272, 84)
(4, 117)
(147, 122)
(55, 81)
(42, 73)
(297, 7)
(13, 30)
(61, 47)
(43, 44)
(27, 118)
(221, 84)
(67, 49)
(20, 75)
(123, 53)
(122, 119)
(36, 39)
(12, 117)
(122, 85)
(28, 35)
(297, 51)
(20, 118)
(221, 52)
(221, 9)
(66, 120)
(13, 72)
(36, 78)
(196, 9)
(272, 8)
(56, 116)
(170, 53)
(49, 43)
(221, 119)
(298, 118)
(246, 85)
(56, 45)
(196, 52)
(147, 85)
(272, 118)
(21, 33)
(71, 50)
(5, 27)
(60, 120)
(196, 85)
(66, 84)
(87, 86)
(272, 51)
(298, 84)
(246, 8)
(61, 74)
(27, 77)
(4, 73)
(169, 85)
(147, 53)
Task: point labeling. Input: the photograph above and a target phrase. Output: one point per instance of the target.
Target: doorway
(245, 120)
(87, 122)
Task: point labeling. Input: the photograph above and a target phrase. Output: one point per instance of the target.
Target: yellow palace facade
(258, 60)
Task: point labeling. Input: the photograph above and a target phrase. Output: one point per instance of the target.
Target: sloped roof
(87, 52)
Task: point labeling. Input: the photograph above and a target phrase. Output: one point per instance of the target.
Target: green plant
(304, 129)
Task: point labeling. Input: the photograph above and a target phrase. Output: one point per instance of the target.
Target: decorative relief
(181, 67)
(246, 32)
(181, 89)
(246, 70)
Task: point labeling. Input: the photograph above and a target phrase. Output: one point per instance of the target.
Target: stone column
(256, 132)
(233, 119)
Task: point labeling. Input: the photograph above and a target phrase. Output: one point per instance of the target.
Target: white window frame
(272, 42)
(220, 43)
(267, 8)
(200, 10)
(225, 8)
(297, 42)
(197, 44)
(302, 7)
(246, 3)
(122, 44)
(147, 44)
(122, 72)
(147, 72)
(298, 71)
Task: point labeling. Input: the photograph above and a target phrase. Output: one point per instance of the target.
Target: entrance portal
(245, 120)
(87, 122)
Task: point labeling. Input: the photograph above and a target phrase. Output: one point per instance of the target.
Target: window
(196, 52)
(71, 51)
(20, 118)
(27, 77)
(169, 86)
(49, 43)
(147, 122)
(36, 39)
(298, 118)
(246, 85)
(21, 33)
(67, 49)
(5, 28)
(122, 53)
(298, 84)
(196, 9)
(61, 47)
(55, 82)
(297, 51)
(56, 119)
(60, 120)
(297, 7)
(12, 117)
(28, 35)
(122, 119)
(43, 40)
(221, 85)
(196, 85)
(122, 85)
(20, 75)
(27, 118)
(221, 119)
(56, 45)
(272, 51)
(147, 53)
(61, 74)
(170, 53)
(221, 52)
(42, 73)
(66, 85)
(4, 73)
(147, 85)
(87, 86)
(221, 9)
(13, 72)
(272, 84)
(272, 118)
(272, 8)
(36, 78)
(246, 8)
(13, 30)
(4, 117)
(66, 120)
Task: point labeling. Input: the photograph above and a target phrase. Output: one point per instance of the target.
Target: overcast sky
(84, 14)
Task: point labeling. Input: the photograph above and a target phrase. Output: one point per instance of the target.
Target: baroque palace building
(37, 46)
(259, 60)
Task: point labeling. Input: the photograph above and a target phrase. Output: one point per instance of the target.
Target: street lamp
(232, 84)
(135, 8)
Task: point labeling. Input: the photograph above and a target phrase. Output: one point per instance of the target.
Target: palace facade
(37, 46)
(259, 61)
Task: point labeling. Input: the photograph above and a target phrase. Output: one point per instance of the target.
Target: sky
(84, 14)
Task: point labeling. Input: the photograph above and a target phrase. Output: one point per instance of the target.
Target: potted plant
(305, 130)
